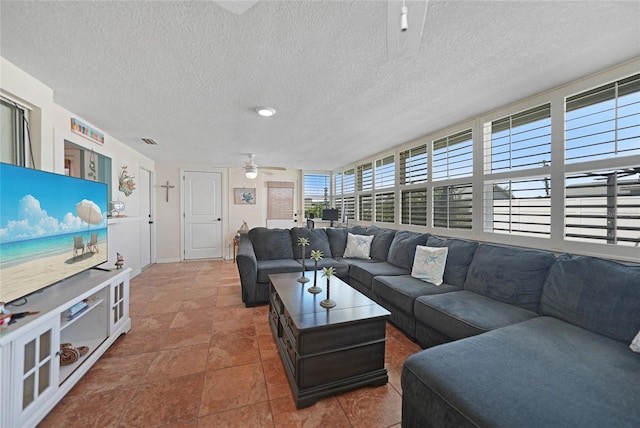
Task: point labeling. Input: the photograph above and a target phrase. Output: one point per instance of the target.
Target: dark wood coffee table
(326, 351)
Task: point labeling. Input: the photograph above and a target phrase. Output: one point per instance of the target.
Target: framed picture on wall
(245, 196)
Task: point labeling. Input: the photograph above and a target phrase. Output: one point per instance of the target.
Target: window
(413, 165)
(365, 207)
(385, 172)
(349, 182)
(603, 122)
(385, 206)
(603, 206)
(316, 194)
(414, 207)
(575, 148)
(453, 156)
(522, 207)
(452, 206)
(349, 207)
(337, 185)
(365, 177)
(519, 141)
(13, 124)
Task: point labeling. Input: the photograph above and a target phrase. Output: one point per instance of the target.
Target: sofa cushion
(342, 269)
(358, 247)
(597, 294)
(542, 372)
(509, 274)
(428, 264)
(271, 244)
(364, 272)
(464, 313)
(267, 267)
(318, 240)
(401, 290)
(460, 255)
(338, 238)
(403, 248)
(382, 239)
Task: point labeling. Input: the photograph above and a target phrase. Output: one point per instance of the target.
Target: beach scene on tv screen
(51, 227)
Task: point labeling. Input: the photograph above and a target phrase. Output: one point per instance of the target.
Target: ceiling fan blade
(402, 43)
(275, 168)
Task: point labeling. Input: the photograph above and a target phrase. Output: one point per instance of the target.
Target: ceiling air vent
(149, 141)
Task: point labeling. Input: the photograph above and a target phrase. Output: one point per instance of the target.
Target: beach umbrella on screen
(89, 212)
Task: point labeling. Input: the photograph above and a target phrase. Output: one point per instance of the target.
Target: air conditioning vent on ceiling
(149, 141)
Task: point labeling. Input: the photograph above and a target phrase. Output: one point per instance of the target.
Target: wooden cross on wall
(167, 187)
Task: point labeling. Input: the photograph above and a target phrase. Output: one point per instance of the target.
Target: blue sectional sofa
(514, 336)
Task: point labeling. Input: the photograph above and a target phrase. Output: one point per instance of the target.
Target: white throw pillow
(635, 343)
(358, 246)
(429, 263)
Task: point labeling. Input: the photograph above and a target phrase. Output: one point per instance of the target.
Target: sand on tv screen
(51, 227)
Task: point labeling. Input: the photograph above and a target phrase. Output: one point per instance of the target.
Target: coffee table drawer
(347, 363)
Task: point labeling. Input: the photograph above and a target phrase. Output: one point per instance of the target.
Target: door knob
(219, 219)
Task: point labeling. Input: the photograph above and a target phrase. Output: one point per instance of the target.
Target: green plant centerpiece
(328, 273)
(303, 242)
(316, 256)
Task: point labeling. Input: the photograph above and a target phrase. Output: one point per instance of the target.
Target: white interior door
(146, 221)
(202, 215)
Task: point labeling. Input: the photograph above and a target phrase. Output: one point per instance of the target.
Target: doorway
(282, 204)
(202, 215)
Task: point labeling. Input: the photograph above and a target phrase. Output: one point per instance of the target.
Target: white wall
(168, 223)
(50, 126)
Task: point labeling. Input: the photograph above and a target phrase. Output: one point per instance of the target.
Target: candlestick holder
(328, 303)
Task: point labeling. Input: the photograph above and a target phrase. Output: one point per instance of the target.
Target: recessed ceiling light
(266, 111)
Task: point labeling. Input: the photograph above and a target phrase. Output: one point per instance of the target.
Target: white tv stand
(32, 380)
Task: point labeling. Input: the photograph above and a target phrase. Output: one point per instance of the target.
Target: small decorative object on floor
(119, 261)
(303, 242)
(316, 255)
(328, 273)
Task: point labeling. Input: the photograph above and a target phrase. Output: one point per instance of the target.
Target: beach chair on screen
(93, 243)
(78, 246)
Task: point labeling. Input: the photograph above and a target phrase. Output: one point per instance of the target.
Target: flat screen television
(51, 228)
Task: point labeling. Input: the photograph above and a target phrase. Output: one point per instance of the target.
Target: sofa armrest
(248, 269)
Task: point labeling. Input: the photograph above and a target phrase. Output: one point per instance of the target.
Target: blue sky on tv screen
(37, 204)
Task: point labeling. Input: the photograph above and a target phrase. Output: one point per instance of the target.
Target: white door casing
(146, 219)
(202, 232)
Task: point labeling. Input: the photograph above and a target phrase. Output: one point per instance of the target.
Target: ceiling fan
(405, 23)
(251, 169)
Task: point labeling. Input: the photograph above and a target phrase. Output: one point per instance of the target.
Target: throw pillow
(429, 263)
(358, 246)
(635, 343)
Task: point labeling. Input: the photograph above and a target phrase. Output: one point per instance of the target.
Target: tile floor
(196, 357)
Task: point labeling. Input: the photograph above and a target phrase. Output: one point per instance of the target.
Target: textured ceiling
(189, 74)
